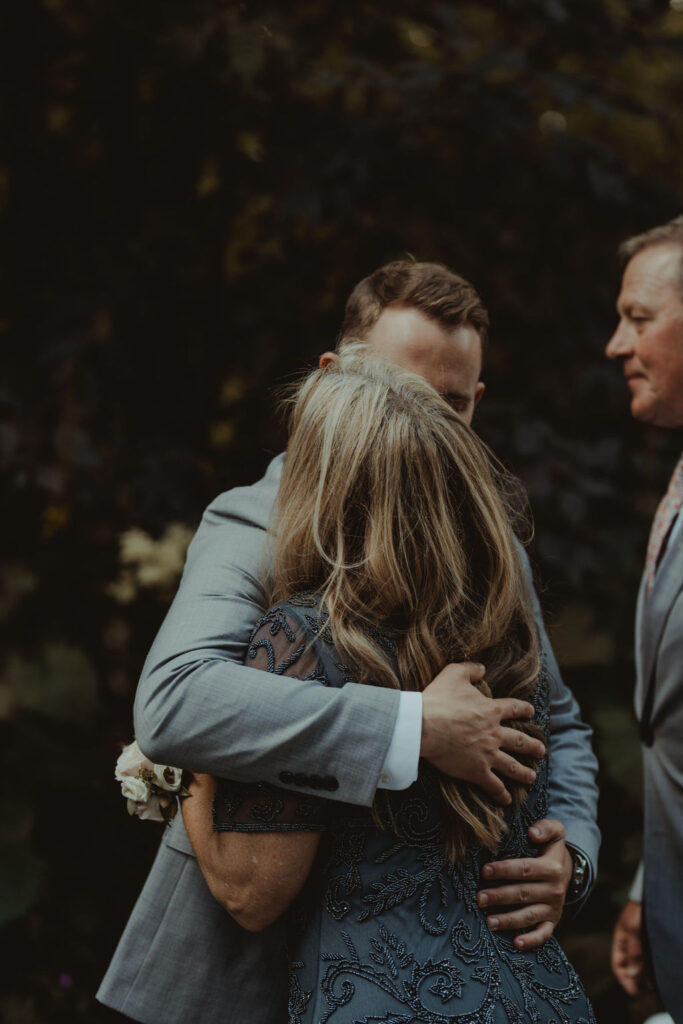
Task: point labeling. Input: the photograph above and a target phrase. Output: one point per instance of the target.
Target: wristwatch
(577, 882)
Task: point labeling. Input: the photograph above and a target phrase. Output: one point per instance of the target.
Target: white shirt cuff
(636, 892)
(400, 765)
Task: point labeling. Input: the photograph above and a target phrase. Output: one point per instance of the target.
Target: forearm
(236, 722)
(254, 876)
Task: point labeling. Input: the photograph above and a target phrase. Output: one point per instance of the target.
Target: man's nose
(619, 344)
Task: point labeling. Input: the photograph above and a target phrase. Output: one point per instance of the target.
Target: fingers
(510, 708)
(526, 917)
(513, 769)
(627, 950)
(529, 869)
(629, 978)
(551, 867)
(630, 986)
(628, 968)
(547, 831)
(495, 789)
(511, 895)
(536, 937)
(473, 669)
(519, 743)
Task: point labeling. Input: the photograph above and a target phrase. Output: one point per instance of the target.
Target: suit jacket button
(330, 783)
(300, 779)
(316, 782)
(286, 777)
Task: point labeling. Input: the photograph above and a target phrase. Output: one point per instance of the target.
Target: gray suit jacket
(183, 960)
(659, 707)
(199, 707)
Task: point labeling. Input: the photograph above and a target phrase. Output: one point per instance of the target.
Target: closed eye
(458, 403)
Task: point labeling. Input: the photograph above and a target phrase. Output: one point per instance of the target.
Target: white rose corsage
(150, 790)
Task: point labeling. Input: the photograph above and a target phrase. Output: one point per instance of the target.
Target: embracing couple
(400, 848)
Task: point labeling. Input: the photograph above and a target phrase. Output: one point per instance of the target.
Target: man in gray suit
(648, 343)
(181, 957)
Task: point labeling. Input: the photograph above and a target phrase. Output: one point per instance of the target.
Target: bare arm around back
(199, 707)
(253, 875)
(255, 844)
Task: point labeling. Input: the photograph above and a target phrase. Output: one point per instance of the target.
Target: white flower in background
(167, 777)
(148, 563)
(130, 761)
(134, 790)
(551, 122)
(157, 562)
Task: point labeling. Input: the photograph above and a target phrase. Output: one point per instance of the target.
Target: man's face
(450, 360)
(649, 337)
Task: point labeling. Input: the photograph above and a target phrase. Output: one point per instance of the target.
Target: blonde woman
(393, 555)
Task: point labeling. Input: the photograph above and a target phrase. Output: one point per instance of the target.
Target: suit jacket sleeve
(198, 706)
(572, 789)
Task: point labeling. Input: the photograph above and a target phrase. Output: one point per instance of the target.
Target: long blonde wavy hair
(395, 512)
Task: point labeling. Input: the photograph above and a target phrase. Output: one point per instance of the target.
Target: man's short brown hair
(431, 288)
(670, 233)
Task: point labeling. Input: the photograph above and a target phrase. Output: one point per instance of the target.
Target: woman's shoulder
(299, 616)
(300, 624)
(294, 638)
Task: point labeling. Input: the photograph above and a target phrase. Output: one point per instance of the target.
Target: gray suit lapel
(653, 614)
(639, 630)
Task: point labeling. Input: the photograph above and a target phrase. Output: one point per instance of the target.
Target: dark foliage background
(190, 191)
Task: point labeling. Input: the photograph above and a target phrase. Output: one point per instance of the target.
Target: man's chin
(656, 416)
(643, 411)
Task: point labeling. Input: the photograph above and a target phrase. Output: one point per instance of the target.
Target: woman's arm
(254, 875)
(259, 848)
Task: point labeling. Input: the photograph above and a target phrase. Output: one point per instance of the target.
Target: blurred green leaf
(617, 732)
(20, 875)
(16, 582)
(20, 1010)
(61, 684)
(578, 641)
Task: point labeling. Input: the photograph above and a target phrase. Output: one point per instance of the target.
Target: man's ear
(327, 359)
(479, 393)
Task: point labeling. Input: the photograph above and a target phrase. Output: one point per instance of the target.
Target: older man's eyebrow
(626, 306)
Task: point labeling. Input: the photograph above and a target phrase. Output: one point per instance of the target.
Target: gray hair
(670, 233)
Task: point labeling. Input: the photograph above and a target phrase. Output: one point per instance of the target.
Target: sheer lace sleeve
(281, 645)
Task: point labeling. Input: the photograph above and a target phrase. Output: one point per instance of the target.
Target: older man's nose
(619, 344)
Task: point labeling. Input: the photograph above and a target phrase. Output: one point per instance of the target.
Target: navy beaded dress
(386, 930)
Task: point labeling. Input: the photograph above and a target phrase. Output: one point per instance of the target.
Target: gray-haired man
(648, 343)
